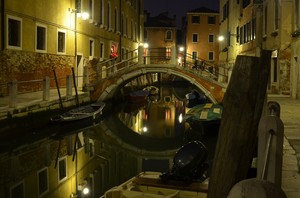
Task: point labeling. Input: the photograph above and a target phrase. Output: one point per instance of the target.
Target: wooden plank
(172, 184)
(242, 109)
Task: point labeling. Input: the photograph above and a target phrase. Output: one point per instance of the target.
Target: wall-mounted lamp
(146, 45)
(82, 15)
(222, 38)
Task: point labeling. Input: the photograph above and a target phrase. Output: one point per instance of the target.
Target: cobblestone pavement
(290, 116)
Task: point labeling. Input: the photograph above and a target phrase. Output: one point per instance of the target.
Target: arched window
(116, 20)
(108, 16)
(101, 13)
(122, 23)
(168, 35)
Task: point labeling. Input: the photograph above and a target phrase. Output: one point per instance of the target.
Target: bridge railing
(154, 56)
(112, 66)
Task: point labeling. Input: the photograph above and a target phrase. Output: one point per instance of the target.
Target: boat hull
(91, 111)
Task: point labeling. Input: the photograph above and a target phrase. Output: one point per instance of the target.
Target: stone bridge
(105, 87)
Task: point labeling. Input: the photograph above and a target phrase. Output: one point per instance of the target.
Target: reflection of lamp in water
(180, 118)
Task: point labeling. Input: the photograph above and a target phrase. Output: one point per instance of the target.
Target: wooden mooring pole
(242, 108)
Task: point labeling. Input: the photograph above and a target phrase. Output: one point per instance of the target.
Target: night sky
(178, 7)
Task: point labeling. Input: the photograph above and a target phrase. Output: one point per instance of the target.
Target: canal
(39, 158)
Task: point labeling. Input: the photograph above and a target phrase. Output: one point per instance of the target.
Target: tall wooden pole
(242, 108)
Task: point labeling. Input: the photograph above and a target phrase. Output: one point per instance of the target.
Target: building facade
(202, 30)
(250, 26)
(41, 36)
(160, 35)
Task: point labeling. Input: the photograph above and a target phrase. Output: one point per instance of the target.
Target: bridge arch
(212, 89)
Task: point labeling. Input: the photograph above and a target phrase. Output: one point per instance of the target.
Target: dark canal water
(133, 135)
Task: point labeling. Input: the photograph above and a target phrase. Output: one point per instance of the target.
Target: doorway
(273, 86)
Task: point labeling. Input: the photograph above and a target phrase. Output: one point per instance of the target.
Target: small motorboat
(189, 163)
(88, 111)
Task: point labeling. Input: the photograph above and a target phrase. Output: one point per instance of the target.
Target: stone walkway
(290, 116)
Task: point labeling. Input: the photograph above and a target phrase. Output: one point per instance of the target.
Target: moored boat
(92, 111)
(138, 96)
(195, 98)
(204, 117)
(185, 180)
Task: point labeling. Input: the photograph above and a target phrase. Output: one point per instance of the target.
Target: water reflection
(102, 153)
(157, 115)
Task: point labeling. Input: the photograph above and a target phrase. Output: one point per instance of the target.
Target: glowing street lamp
(146, 45)
(221, 38)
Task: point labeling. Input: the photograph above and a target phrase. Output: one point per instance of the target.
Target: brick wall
(28, 66)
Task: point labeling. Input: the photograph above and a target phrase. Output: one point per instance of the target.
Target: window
(131, 29)
(91, 6)
(168, 35)
(276, 17)
(122, 23)
(211, 38)
(101, 12)
(195, 19)
(237, 32)
(17, 191)
(126, 26)
(249, 35)
(168, 53)
(92, 47)
(241, 35)
(195, 38)
(14, 33)
(43, 181)
(265, 19)
(108, 16)
(211, 56)
(135, 31)
(62, 169)
(246, 3)
(211, 20)
(61, 41)
(116, 20)
(296, 14)
(226, 10)
(101, 51)
(194, 55)
(41, 38)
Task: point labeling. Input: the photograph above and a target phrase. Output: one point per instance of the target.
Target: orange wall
(203, 29)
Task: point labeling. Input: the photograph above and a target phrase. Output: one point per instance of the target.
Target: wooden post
(46, 88)
(270, 148)
(69, 86)
(242, 109)
(13, 92)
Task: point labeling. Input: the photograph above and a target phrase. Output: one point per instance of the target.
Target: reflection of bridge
(108, 76)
